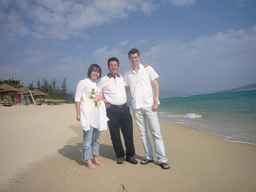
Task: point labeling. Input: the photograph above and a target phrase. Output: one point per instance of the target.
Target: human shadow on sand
(74, 152)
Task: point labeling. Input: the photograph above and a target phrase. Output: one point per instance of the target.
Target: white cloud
(183, 2)
(102, 55)
(14, 25)
(89, 17)
(123, 43)
(228, 42)
(224, 59)
(56, 5)
(138, 43)
(148, 8)
(112, 7)
(101, 50)
(61, 19)
(99, 12)
(47, 17)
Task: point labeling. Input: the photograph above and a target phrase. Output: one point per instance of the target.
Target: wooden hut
(24, 92)
(9, 90)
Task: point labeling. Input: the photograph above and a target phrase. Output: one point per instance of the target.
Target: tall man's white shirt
(113, 89)
(140, 86)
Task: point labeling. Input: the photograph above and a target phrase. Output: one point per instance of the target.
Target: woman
(91, 112)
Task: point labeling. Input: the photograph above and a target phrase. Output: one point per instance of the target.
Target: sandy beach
(41, 151)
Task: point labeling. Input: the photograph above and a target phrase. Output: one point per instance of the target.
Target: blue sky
(195, 46)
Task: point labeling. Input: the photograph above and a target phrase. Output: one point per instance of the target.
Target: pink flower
(98, 96)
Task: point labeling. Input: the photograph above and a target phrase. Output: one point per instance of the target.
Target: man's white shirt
(140, 85)
(113, 89)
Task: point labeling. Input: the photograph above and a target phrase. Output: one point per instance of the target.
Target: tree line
(49, 87)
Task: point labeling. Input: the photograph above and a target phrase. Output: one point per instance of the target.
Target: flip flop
(146, 161)
(163, 165)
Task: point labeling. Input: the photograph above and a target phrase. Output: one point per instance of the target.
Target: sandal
(146, 161)
(163, 165)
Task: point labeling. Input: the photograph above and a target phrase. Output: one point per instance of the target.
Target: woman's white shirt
(92, 107)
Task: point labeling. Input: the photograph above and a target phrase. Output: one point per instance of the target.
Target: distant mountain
(246, 87)
(243, 88)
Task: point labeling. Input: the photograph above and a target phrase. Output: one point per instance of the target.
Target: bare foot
(98, 163)
(90, 165)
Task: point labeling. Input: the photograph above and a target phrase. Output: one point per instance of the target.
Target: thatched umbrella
(36, 92)
(24, 90)
(8, 89)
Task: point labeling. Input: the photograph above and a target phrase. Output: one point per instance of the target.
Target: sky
(195, 46)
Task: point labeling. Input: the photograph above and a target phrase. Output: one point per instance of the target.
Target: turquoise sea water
(231, 115)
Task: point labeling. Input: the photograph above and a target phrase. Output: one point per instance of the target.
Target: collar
(140, 67)
(109, 75)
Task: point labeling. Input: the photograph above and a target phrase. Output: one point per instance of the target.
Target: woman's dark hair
(113, 59)
(92, 68)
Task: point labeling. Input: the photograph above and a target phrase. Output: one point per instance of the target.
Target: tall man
(118, 112)
(140, 81)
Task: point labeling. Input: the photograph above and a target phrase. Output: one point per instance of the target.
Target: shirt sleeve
(125, 80)
(152, 73)
(101, 84)
(79, 91)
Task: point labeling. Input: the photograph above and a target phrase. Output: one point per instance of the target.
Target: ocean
(231, 115)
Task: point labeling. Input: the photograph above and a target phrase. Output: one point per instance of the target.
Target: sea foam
(193, 116)
(188, 115)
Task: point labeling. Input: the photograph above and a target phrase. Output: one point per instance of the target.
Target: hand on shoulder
(145, 65)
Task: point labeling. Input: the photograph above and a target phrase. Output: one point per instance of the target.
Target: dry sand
(41, 151)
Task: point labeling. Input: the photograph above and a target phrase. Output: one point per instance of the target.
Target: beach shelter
(8, 89)
(37, 92)
(23, 92)
(1, 89)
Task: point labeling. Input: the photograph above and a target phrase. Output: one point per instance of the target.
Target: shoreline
(218, 135)
(196, 123)
(230, 115)
(200, 161)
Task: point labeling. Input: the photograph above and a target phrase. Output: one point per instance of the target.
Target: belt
(120, 106)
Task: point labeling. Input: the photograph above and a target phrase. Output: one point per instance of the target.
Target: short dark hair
(92, 68)
(113, 59)
(133, 51)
